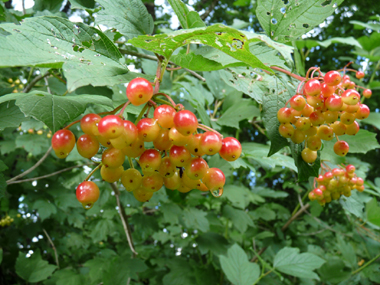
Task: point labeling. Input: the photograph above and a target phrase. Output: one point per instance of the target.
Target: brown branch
(47, 175)
(33, 167)
(124, 220)
(141, 55)
(209, 10)
(34, 81)
(53, 246)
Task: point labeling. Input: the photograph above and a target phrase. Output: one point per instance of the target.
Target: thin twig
(53, 246)
(23, 7)
(33, 167)
(47, 85)
(124, 219)
(48, 175)
(34, 81)
(209, 10)
(365, 265)
(123, 51)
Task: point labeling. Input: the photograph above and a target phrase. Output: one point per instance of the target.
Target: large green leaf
(240, 219)
(237, 268)
(305, 170)
(188, 19)
(54, 110)
(373, 212)
(82, 4)
(373, 119)
(123, 268)
(45, 209)
(33, 269)
(226, 39)
(196, 219)
(86, 55)
(213, 242)
(10, 115)
(284, 22)
(288, 260)
(238, 112)
(130, 17)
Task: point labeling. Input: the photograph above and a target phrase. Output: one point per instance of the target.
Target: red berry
(231, 149)
(332, 78)
(334, 103)
(176, 138)
(331, 116)
(350, 97)
(152, 183)
(87, 194)
(150, 161)
(164, 115)
(284, 115)
(347, 118)
(317, 118)
(303, 124)
(139, 91)
(325, 133)
(362, 112)
(359, 74)
(352, 129)
(315, 101)
(167, 169)
(87, 145)
(110, 126)
(327, 90)
(314, 143)
(341, 148)
(162, 142)
(214, 179)
(307, 110)
(196, 168)
(179, 156)
(148, 129)
(113, 157)
(367, 93)
(297, 102)
(63, 142)
(286, 130)
(211, 143)
(89, 124)
(318, 193)
(193, 145)
(185, 122)
(312, 87)
(350, 168)
(339, 128)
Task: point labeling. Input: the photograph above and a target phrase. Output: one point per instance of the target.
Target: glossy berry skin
(350, 97)
(352, 108)
(113, 157)
(315, 101)
(332, 78)
(89, 124)
(139, 91)
(312, 87)
(317, 118)
(142, 195)
(87, 194)
(167, 168)
(193, 145)
(128, 136)
(297, 102)
(179, 156)
(135, 149)
(359, 74)
(214, 179)
(327, 90)
(162, 142)
(150, 161)
(152, 182)
(334, 103)
(131, 179)
(298, 136)
(352, 129)
(284, 115)
(303, 124)
(63, 142)
(173, 182)
(110, 126)
(367, 93)
(331, 116)
(286, 130)
(362, 112)
(231, 149)
(341, 148)
(188, 182)
(347, 118)
(339, 128)
(164, 114)
(318, 193)
(309, 155)
(350, 168)
(176, 138)
(325, 133)
(148, 129)
(210, 143)
(185, 122)
(314, 143)
(87, 145)
(111, 174)
(307, 110)
(196, 168)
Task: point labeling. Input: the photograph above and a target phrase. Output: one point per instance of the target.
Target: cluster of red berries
(332, 184)
(175, 161)
(313, 116)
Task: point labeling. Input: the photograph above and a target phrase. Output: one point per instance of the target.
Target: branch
(53, 246)
(34, 81)
(300, 78)
(32, 168)
(364, 266)
(141, 55)
(47, 175)
(209, 10)
(124, 219)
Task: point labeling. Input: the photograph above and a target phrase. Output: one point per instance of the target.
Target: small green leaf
(289, 261)
(373, 212)
(305, 170)
(45, 209)
(196, 219)
(171, 212)
(33, 269)
(333, 271)
(238, 112)
(237, 268)
(3, 185)
(360, 25)
(240, 219)
(353, 204)
(10, 116)
(82, 4)
(213, 242)
(239, 196)
(187, 19)
(123, 268)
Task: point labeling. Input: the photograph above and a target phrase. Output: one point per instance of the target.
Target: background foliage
(53, 70)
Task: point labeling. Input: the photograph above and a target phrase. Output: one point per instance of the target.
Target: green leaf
(10, 116)
(123, 268)
(228, 40)
(187, 19)
(373, 212)
(98, 268)
(82, 4)
(54, 110)
(238, 112)
(237, 268)
(213, 242)
(264, 212)
(102, 229)
(240, 219)
(1, 255)
(3, 185)
(360, 25)
(239, 196)
(130, 17)
(33, 144)
(86, 55)
(289, 261)
(45, 209)
(286, 22)
(51, 5)
(33, 269)
(353, 204)
(171, 212)
(305, 170)
(347, 251)
(373, 119)
(196, 219)
(336, 40)
(333, 271)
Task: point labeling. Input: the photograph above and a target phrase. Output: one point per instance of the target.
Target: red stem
(120, 114)
(288, 73)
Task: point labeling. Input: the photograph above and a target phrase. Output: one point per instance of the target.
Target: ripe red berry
(359, 74)
(334, 103)
(231, 149)
(350, 97)
(167, 169)
(317, 118)
(303, 124)
(312, 87)
(150, 161)
(63, 142)
(87, 194)
(352, 129)
(327, 90)
(211, 143)
(89, 124)
(179, 156)
(148, 129)
(162, 142)
(297, 102)
(193, 145)
(196, 168)
(284, 115)
(325, 133)
(307, 110)
(367, 93)
(362, 112)
(332, 78)
(318, 193)
(152, 182)
(214, 179)
(113, 157)
(87, 145)
(185, 122)
(110, 126)
(164, 115)
(139, 91)
(176, 138)
(341, 148)
(286, 130)
(350, 168)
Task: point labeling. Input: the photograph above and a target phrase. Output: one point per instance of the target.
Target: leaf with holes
(305, 170)
(86, 55)
(130, 17)
(188, 19)
(286, 22)
(54, 110)
(228, 40)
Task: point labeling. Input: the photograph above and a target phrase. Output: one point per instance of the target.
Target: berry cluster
(175, 161)
(328, 106)
(332, 184)
(6, 221)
